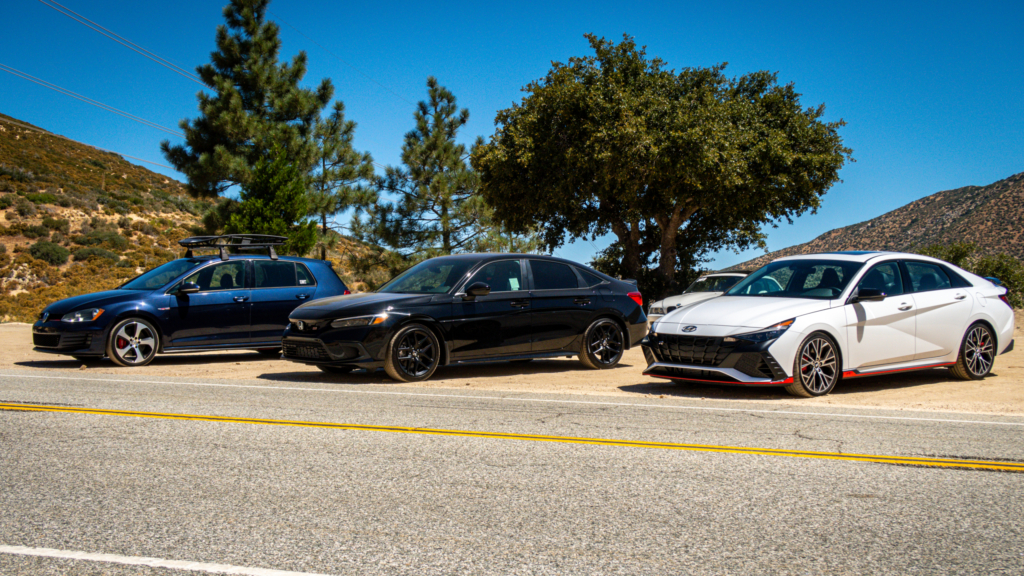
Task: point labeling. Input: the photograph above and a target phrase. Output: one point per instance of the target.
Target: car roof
(730, 273)
(859, 256)
(208, 257)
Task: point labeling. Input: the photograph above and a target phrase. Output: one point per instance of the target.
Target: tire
(603, 344)
(270, 352)
(133, 342)
(816, 369)
(413, 354)
(977, 354)
(336, 370)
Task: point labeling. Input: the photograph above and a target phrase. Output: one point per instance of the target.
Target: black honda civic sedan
(471, 308)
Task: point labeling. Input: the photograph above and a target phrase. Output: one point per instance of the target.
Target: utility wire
(45, 133)
(122, 40)
(87, 100)
(338, 58)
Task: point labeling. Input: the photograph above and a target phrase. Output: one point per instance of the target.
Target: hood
(744, 311)
(94, 300)
(687, 299)
(355, 304)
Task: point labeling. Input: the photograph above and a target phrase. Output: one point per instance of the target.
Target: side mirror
(188, 288)
(867, 295)
(476, 289)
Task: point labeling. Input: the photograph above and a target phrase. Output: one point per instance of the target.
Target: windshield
(814, 279)
(159, 277)
(434, 276)
(713, 284)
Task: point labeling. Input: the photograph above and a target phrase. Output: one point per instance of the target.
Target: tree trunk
(668, 225)
(629, 237)
(323, 245)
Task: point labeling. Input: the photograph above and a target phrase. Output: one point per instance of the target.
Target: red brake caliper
(121, 342)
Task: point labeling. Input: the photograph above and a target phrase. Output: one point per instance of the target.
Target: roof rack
(235, 241)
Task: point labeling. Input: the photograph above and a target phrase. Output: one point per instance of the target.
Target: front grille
(46, 340)
(76, 341)
(754, 365)
(693, 350)
(305, 351)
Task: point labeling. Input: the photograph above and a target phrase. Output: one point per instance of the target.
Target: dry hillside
(992, 217)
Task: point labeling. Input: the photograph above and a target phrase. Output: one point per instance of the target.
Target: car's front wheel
(816, 369)
(413, 354)
(977, 354)
(133, 342)
(603, 344)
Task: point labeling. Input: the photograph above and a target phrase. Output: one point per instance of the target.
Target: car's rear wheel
(133, 342)
(977, 354)
(337, 370)
(413, 354)
(816, 369)
(603, 344)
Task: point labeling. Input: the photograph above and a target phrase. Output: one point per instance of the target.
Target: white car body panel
(881, 332)
(941, 320)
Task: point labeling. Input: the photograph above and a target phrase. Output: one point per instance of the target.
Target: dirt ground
(1000, 393)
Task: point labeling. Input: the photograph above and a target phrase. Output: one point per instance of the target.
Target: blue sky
(933, 92)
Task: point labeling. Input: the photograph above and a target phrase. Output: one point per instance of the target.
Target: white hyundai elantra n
(819, 318)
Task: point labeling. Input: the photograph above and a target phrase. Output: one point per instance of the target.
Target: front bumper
(711, 359)
(72, 339)
(359, 347)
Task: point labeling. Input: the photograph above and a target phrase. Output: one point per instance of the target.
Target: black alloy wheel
(816, 369)
(413, 354)
(133, 342)
(977, 354)
(603, 344)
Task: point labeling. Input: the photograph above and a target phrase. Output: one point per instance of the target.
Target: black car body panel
(518, 321)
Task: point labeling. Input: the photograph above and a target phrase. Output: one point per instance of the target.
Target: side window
(884, 278)
(590, 278)
(552, 276)
(271, 274)
(305, 278)
(501, 276)
(927, 277)
(226, 276)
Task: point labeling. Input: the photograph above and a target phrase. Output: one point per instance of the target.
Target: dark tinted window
(926, 277)
(815, 279)
(270, 274)
(590, 278)
(226, 276)
(713, 284)
(434, 276)
(552, 276)
(885, 278)
(502, 276)
(161, 275)
(305, 278)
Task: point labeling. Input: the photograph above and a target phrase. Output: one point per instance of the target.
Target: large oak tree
(616, 142)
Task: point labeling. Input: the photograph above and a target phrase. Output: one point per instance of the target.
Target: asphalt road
(404, 499)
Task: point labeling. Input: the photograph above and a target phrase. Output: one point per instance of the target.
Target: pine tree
(274, 202)
(340, 170)
(257, 104)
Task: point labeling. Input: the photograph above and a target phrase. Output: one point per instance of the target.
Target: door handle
(582, 301)
(302, 296)
(905, 307)
(241, 298)
(960, 296)
(520, 303)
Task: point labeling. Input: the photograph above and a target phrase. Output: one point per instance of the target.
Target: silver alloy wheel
(416, 353)
(134, 343)
(978, 351)
(605, 343)
(818, 365)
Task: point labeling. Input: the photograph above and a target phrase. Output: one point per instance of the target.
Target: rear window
(305, 278)
(553, 276)
(590, 278)
(270, 274)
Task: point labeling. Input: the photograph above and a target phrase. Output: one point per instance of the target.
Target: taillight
(346, 293)
(636, 298)
(1005, 300)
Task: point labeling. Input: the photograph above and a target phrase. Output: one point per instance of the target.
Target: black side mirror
(188, 288)
(476, 289)
(867, 295)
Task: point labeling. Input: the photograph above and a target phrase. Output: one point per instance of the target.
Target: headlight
(83, 315)
(657, 310)
(359, 321)
(769, 333)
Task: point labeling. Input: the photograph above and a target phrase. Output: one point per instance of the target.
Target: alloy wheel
(978, 351)
(416, 353)
(134, 343)
(605, 343)
(818, 365)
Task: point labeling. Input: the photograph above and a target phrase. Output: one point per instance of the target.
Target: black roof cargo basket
(232, 241)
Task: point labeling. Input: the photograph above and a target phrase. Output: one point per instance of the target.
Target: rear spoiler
(995, 281)
(630, 280)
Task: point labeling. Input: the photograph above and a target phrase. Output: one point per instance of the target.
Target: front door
(942, 310)
(279, 288)
(881, 332)
(562, 306)
(497, 324)
(216, 315)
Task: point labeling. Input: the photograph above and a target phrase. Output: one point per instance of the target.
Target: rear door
(279, 287)
(217, 314)
(562, 303)
(882, 332)
(942, 310)
(496, 324)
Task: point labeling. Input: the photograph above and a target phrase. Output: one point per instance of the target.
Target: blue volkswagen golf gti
(228, 301)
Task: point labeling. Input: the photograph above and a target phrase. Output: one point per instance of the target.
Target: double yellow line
(900, 460)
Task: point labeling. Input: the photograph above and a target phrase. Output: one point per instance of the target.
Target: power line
(45, 133)
(122, 40)
(339, 59)
(87, 100)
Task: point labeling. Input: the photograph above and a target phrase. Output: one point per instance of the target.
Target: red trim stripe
(855, 374)
(779, 383)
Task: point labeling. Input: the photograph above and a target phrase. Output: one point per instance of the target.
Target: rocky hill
(992, 217)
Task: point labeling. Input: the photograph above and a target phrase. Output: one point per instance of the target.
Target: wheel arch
(618, 319)
(432, 325)
(136, 313)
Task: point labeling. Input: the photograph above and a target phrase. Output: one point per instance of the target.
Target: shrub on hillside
(144, 227)
(83, 254)
(49, 252)
(6, 201)
(59, 224)
(25, 208)
(107, 238)
(42, 198)
(35, 231)
(124, 222)
(3, 248)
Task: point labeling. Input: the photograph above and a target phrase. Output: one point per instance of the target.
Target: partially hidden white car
(827, 317)
(704, 288)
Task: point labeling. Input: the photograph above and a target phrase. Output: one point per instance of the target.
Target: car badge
(301, 325)
(690, 329)
(46, 315)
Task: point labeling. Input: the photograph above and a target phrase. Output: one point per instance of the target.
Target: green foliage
(3, 249)
(87, 253)
(49, 252)
(274, 202)
(16, 174)
(256, 104)
(218, 216)
(614, 142)
(35, 231)
(124, 223)
(25, 208)
(107, 238)
(6, 201)
(59, 224)
(42, 198)
(1007, 269)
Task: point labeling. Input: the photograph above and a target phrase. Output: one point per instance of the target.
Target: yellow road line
(881, 459)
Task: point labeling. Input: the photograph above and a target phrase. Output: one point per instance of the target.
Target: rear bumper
(1008, 348)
